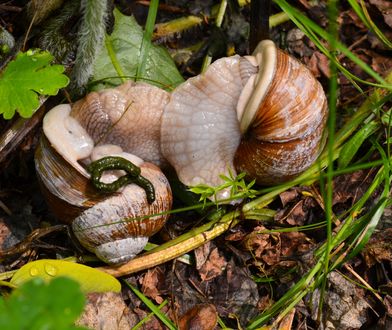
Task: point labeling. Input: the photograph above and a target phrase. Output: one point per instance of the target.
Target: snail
(116, 226)
(262, 114)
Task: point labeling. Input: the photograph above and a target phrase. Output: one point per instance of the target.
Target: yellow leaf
(90, 279)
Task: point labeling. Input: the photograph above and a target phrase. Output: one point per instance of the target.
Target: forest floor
(244, 271)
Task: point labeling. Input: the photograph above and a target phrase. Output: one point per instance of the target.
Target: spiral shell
(114, 226)
(124, 221)
(285, 135)
(263, 115)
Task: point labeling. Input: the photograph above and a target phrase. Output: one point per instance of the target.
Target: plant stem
(146, 41)
(188, 242)
(218, 22)
(114, 60)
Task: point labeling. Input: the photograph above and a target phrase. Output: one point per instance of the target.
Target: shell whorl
(99, 231)
(286, 134)
(114, 226)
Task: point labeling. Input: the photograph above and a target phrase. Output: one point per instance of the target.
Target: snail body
(107, 116)
(114, 226)
(262, 114)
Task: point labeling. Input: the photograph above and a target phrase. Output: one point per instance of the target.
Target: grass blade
(350, 149)
(312, 30)
(146, 42)
(363, 14)
(155, 309)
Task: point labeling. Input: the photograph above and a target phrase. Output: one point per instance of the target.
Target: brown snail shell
(124, 221)
(281, 112)
(117, 226)
(285, 135)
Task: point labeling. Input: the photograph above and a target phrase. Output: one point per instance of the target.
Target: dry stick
(362, 280)
(164, 254)
(14, 136)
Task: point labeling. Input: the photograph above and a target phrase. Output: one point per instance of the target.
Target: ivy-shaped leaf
(124, 43)
(24, 78)
(90, 279)
(37, 305)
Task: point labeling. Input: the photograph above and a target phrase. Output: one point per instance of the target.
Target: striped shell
(114, 226)
(263, 115)
(285, 135)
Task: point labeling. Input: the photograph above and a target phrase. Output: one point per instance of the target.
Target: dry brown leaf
(348, 188)
(319, 64)
(287, 322)
(106, 311)
(294, 243)
(379, 248)
(263, 246)
(208, 262)
(150, 282)
(297, 211)
(200, 317)
(289, 196)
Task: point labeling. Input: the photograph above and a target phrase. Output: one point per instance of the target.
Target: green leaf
(122, 49)
(90, 279)
(24, 78)
(386, 118)
(351, 147)
(37, 305)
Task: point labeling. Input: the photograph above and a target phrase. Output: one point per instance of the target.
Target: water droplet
(50, 270)
(34, 271)
(34, 59)
(41, 90)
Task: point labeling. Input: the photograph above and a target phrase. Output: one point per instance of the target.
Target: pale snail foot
(125, 249)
